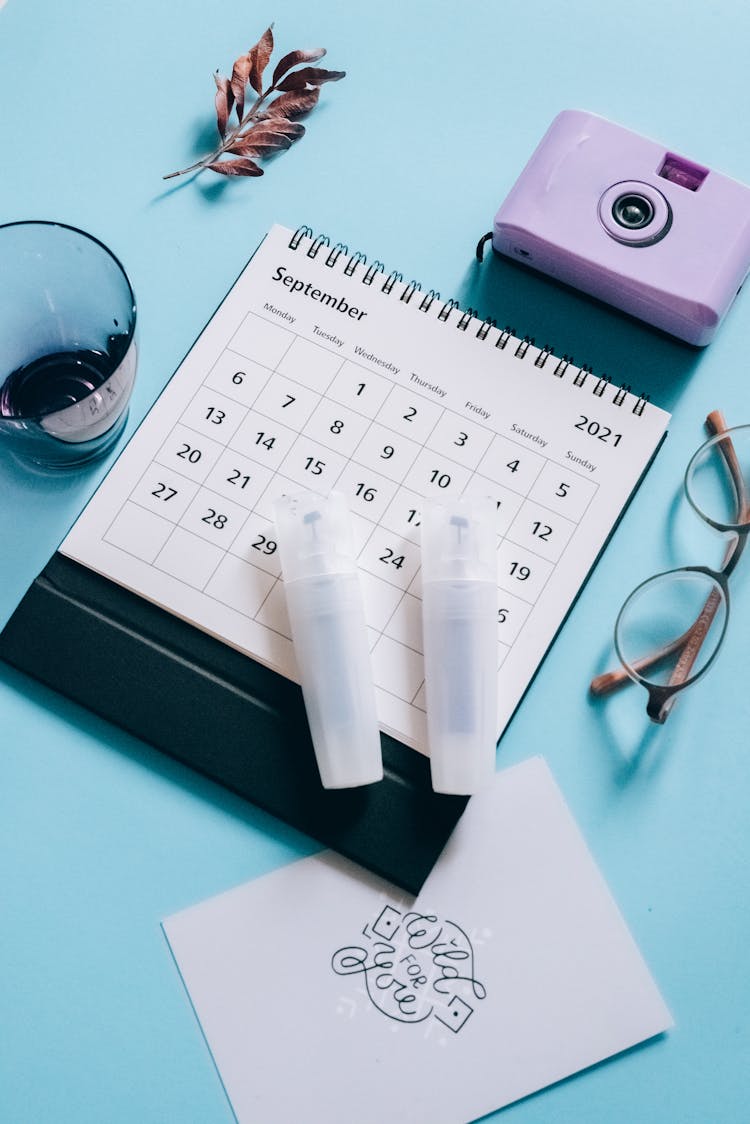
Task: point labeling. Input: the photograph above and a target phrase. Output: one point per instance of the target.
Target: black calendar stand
(214, 709)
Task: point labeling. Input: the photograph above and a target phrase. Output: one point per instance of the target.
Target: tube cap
(459, 540)
(314, 535)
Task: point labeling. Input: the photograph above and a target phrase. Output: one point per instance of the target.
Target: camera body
(631, 223)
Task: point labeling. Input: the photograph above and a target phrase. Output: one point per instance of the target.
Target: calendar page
(319, 372)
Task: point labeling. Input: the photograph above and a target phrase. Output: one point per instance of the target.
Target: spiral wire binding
(313, 249)
(426, 302)
(355, 259)
(524, 346)
(447, 308)
(543, 356)
(412, 288)
(391, 280)
(372, 272)
(339, 249)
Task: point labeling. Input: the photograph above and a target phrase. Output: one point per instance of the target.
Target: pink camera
(626, 220)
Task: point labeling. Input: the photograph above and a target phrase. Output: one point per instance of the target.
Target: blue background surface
(407, 159)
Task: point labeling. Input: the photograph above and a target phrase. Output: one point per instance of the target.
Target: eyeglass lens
(671, 626)
(717, 480)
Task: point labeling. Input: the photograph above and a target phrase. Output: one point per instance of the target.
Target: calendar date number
(164, 492)
(189, 453)
(215, 519)
(390, 558)
(264, 545)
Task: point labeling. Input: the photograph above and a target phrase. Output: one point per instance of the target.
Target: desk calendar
(320, 372)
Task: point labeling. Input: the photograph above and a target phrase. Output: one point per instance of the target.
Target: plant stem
(228, 140)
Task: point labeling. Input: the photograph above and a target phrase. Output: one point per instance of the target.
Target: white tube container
(459, 621)
(327, 618)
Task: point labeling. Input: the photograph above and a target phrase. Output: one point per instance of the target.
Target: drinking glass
(67, 344)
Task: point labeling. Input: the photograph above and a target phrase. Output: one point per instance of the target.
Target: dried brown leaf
(293, 103)
(294, 58)
(239, 167)
(293, 129)
(224, 101)
(310, 76)
(259, 56)
(261, 143)
(264, 131)
(244, 147)
(240, 76)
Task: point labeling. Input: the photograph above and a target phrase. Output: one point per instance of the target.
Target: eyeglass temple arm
(661, 701)
(716, 424)
(692, 639)
(658, 709)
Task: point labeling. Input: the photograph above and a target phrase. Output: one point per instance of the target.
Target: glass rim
(90, 238)
(720, 581)
(718, 524)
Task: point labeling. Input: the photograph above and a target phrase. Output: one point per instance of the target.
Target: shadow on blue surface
(637, 747)
(111, 738)
(572, 324)
(506, 1113)
(26, 476)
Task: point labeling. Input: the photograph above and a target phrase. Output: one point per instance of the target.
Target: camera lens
(632, 211)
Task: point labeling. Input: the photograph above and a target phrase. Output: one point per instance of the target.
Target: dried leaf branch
(269, 125)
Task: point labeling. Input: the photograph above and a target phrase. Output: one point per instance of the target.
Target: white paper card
(326, 994)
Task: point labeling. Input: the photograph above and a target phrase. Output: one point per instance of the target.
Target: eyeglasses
(670, 628)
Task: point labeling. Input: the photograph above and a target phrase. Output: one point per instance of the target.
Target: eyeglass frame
(662, 697)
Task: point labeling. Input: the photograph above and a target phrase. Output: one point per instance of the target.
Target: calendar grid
(207, 546)
(344, 387)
